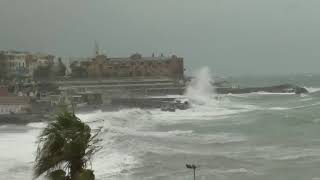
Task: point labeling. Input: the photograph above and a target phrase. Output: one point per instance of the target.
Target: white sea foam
(307, 106)
(119, 155)
(234, 171)
(39, 125)
(191, 143)
(222, 138)
(199, 113)
(17, 154)
(306, 99)
(107, 164)
(134, 124)
(180, 132)
(312, 89)
(129, 133)
(285, 153)
(270, 93)
(279, 108)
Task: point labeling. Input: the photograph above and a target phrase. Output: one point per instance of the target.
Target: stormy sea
(257, 136)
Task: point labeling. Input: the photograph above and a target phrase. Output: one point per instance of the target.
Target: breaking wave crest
(312, 89)
(200, 89)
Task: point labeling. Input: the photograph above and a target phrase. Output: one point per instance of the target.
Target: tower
(96, 48)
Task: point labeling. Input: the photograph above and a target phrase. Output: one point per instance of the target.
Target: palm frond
(67, 142)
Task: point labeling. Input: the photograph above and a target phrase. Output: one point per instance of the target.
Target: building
(16, 63)
(134, 66)
(14, 104)
(3, 66)
(44, 59)
(24, 63)
(76, 99)
(123, 87)
(91, 98)
(32, 64)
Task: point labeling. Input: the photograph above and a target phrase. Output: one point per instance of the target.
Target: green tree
(65, 148)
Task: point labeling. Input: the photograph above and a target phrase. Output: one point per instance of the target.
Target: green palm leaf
(65, 143)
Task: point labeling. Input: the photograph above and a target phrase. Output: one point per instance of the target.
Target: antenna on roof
(96, 48)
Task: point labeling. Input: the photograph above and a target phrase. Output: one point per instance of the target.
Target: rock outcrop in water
(283, 88)
(173, 106)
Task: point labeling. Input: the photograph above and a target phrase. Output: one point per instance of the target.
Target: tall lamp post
(194, 167)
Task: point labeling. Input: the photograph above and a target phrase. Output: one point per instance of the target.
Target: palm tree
(65, 149)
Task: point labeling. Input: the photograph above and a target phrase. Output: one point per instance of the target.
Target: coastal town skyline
(159, 89)
(260, 37)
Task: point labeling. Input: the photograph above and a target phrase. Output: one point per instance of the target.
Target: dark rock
(172, 106)
(301, 90)
(283, 88)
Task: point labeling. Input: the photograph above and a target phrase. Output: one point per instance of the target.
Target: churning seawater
(256, 136)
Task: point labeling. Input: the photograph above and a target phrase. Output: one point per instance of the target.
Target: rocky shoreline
(21, 119)
(44, 116)
(118, 103)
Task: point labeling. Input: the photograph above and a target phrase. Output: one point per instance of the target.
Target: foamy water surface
(238, 137)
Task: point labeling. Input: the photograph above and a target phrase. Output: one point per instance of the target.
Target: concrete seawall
(140, 102)
(284, 88)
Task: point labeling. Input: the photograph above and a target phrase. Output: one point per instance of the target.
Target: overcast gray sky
(232, 37)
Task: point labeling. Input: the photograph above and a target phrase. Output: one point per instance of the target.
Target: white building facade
(17, 63)
(24, 63)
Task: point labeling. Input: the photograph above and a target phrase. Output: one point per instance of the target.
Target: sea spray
(200, 89)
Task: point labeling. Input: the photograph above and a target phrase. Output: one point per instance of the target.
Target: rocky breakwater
(173, 106)
(283, 88)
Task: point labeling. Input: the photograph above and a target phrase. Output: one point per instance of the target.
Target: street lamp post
(194, 167)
